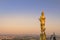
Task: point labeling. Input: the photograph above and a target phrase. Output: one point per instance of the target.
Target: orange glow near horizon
(19, 26)
(26, 25)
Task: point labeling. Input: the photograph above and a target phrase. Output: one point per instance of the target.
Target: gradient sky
(21, 16)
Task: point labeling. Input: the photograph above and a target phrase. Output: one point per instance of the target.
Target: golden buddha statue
(42, 23)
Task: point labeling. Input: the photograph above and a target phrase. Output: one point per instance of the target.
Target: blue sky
(30, 11)
(32, 6)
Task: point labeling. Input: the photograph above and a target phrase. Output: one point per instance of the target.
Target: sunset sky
(22, 16)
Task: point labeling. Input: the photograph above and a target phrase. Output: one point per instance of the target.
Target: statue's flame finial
(42, 13)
